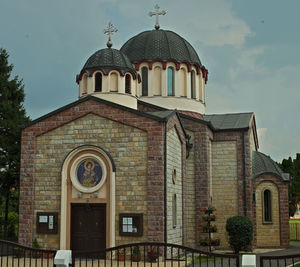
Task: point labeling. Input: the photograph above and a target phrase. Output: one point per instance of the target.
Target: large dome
(160, 44)
(107, 59)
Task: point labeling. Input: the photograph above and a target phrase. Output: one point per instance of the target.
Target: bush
(240, 231)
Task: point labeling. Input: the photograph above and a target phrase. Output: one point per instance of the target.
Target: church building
(136, 157)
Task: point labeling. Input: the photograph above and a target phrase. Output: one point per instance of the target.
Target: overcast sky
(251, 49)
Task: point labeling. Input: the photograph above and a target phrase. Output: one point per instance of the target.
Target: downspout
(165, 182)
(244, 173)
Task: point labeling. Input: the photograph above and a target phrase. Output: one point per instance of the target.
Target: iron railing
(15, 255)
(152, 254)
(279, 261)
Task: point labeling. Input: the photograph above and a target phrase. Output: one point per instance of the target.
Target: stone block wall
(281, 212)
(202, 137)
(224, 186)
(128, 148)
(174, 186)
(190, 196)
(268, 234)
(124, 116)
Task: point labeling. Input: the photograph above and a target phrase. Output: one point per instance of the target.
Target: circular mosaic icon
(89, 173)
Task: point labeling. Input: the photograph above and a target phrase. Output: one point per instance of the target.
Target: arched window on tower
(200, 87)
(114, 82)
(127, 84)
(157, 81)
(182, 82)
(267, 206)
(171, 81)
(193, 84)
(144, 81)
(84, 84)
(98, 82)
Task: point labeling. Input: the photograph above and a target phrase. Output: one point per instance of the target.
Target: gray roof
(229, 121)
(107, 59)
(160, 44)
(161, 114)
(262, 163)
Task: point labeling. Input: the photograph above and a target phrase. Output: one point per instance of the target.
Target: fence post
(63, 258)
(249, 261)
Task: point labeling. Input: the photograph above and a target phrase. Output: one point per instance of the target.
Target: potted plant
(208, 228)
(18, 252)
(121, 255)
(208, 210)
(136, 254)
(209, 218)
(152, 254)
(36, 245)
(48, 254)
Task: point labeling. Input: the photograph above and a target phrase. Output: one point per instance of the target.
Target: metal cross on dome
(109, 31)
(157, 13)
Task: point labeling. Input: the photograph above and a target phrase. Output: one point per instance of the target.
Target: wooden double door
(88, 227)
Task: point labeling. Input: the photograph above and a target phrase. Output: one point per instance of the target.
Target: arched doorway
(87, 199)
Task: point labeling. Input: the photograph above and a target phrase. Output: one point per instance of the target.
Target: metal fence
(152, 254)
(280, 261)
(15, 255)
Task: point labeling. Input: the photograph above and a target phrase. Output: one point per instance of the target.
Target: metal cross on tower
(109, 31)
(157, 13)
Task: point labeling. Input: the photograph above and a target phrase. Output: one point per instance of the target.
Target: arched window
(157, 81)
(267, 206)
(182, 81)
(193, 84)
(174, 211)
(127, 84)
(84, 84)
(114, 82)
(98, 82)
(170, 81)
(200, 87)
(144, 81)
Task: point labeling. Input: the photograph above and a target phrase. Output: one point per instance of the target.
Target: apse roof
(229, 121)
(262, 163)
(160, 44)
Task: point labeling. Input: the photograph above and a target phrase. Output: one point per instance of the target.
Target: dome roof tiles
(107, 59)
(160, 44)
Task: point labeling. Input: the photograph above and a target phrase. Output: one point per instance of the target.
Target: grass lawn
(204, 259)
(294, 229)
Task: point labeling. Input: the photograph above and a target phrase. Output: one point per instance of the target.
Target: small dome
(160, 44)
(108, 59)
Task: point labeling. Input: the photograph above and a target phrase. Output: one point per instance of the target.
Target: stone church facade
(135, 158)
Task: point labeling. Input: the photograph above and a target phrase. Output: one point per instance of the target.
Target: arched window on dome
(98, 82)
(114, 82)
(267, 206)
(127, 84)
(84, 84)
(182, 75)
(193, 84)
(144, 81)
(157, 81)
(171, 81)
(200, 87)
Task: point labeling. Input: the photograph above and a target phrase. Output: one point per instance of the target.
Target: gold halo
(86, 163)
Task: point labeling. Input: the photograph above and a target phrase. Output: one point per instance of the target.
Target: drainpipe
(165, 182)
(244, 173)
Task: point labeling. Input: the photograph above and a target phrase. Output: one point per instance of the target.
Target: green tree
(293, 168)
(12, 116)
